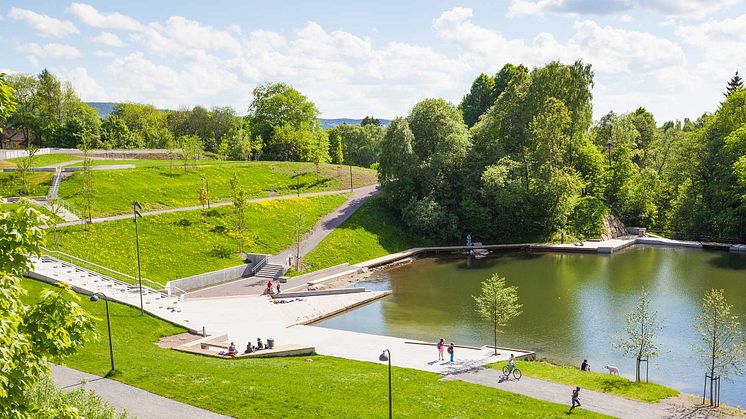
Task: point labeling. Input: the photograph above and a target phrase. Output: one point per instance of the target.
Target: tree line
(520, 159)
(521, 148)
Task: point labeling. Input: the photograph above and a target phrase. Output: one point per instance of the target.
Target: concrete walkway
(212, 205)
(137, 402)
(559, 393)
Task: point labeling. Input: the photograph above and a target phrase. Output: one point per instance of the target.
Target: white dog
(612, 370)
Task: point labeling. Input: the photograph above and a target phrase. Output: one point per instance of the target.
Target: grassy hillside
(179, 244)
(372, 231)
(162, 187)
(48, 159)
(283, 387)
(12, 185)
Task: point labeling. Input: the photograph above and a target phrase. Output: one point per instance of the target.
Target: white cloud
(109, 39)
(52, 50)
(683, 8)
(102, 54)
(88, 89)
(46, 25)
(626, 18)
(181, 36)
(92, 17)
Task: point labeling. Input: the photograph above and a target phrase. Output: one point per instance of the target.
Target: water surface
(573, 305)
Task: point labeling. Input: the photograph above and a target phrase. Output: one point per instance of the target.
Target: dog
(612, 370)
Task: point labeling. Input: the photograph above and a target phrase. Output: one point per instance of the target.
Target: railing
(68, 206)
(259, 265)
(106, 272)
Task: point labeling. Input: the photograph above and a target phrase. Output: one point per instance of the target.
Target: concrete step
(270, 271)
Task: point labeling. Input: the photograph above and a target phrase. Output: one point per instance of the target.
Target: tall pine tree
(735, 84)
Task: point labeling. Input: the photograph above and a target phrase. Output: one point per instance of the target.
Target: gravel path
(676, 407)
(137, 402)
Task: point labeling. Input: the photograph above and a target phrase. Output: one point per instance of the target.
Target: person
(441, 347)
(575, 399)
(450, 351)
(259, 344)
(468, 239)
(232, 351)
(249, 348)
(585, 366)
(511, 363)
(269, 287)
(278, 287)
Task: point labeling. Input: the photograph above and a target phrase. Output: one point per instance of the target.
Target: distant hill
(105, 108)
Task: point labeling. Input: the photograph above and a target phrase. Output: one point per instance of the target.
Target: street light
(383, 358)
(135, 214)
(94, 298)
(207, 186)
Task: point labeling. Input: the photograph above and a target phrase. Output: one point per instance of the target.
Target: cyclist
(511, 364)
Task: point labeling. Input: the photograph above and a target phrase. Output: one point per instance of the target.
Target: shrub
(221, 252)
(588, 216)
(79, 403)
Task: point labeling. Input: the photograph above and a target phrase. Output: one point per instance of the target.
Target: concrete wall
(216, 277)
(321, 292)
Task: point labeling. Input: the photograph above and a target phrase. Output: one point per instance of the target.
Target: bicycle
(516, 372)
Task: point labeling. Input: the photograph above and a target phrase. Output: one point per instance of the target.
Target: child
(575, 399)
(441, 347)
(450, 350)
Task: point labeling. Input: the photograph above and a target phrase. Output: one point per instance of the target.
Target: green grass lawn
(175, 163)
(12, 185)
(372, 231)
(604, 383)
(283, 387)
(162, 187)
(47, 159)
(178, 245)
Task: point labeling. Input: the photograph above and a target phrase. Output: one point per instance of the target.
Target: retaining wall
(321, 292)
(14, 154)
(216, 277)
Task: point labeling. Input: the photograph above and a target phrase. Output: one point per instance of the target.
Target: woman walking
(441, 347)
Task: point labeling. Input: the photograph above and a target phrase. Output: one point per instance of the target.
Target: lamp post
(94, 298)
(383, 358)
(349, 163)
(135, 214)
(207, 186)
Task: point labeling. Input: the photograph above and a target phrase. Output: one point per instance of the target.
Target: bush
(221, 252)
(588, 217)
(52, 402)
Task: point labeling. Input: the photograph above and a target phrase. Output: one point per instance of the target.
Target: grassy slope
(161, 187)
(605, 383)
(47, 159)
(284, 387)
(38, 183)
(177, 245)
(372, 231)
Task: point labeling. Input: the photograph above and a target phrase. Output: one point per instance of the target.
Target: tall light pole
(349, 163)
(135, 214)
(383, 358)
(94, 298)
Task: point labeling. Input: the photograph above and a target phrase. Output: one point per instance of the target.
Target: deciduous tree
(497, 304)
(640, 340)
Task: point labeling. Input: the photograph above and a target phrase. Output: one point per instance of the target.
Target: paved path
(255, 286)
(138, 403)
(560, 393)
(214, 204)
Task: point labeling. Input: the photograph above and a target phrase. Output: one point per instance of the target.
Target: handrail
(156, 286)
(257, 266)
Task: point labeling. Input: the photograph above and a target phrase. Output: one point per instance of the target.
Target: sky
(378, 58)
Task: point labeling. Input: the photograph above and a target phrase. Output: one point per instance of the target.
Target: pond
(573, 305)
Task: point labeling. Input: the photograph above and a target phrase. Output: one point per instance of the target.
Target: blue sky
(378, 58)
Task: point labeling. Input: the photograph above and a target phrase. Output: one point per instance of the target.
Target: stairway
(52, 194)
(270, 271)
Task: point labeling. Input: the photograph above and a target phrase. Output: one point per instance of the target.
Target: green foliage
(723, 345)
(640, 331)
(258, 387)
(356, 145)
(277, 105)
(54, 403)
(497, 304)
(53, 328)
(587, 217)
(601, 382)
(479, 99)
(7, 100)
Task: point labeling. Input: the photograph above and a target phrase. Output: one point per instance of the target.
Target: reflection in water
(573, 305)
